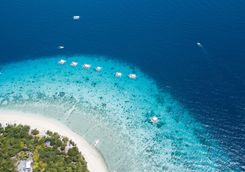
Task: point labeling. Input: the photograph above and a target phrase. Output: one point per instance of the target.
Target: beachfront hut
(47, 143)
(27, 166)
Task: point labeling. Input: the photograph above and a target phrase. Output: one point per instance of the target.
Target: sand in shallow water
(94, 160)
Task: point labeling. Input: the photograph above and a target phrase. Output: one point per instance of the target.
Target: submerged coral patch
(114, 106)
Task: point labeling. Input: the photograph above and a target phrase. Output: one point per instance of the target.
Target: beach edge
(95, 161)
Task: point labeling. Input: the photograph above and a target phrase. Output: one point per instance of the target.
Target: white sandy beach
(94, 160)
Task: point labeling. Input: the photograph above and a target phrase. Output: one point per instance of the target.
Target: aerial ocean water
(197, 91)
(114, 110)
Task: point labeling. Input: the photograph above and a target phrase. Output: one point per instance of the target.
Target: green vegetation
(49, 152)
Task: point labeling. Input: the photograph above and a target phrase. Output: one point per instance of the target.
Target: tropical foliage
(49, 152)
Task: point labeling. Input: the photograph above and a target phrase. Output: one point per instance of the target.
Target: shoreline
(95, 161)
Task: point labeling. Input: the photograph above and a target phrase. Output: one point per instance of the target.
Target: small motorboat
(199, 45)
(61, 47)
(96, 142)
(76, 17)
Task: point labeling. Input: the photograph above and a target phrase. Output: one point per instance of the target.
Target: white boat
(98, 68)
(62, 61)
(132, 76)
(154, 119)
(74, 64)
(96, 142)
(61, 47)
(199, 44)
(76, 17)
(118, 74)
(86, 66)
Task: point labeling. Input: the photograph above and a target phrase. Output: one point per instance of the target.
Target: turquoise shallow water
(117, 111)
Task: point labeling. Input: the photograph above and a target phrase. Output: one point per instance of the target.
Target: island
(33, 142)
(23, 149)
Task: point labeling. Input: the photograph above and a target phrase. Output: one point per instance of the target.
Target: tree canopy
(49, 153)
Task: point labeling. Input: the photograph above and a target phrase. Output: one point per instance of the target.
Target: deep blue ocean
(160, 37)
